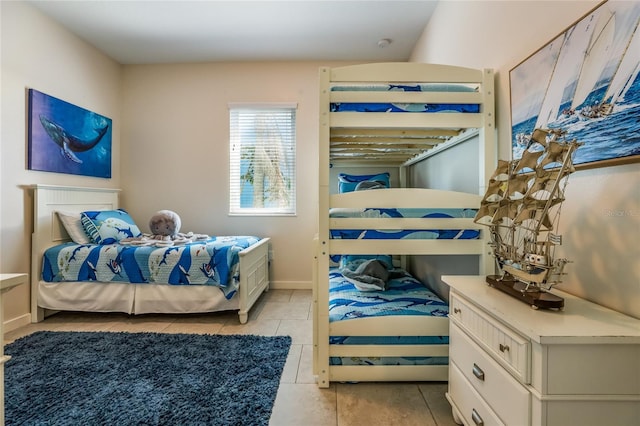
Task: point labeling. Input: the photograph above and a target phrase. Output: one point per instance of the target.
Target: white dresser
(516, 366)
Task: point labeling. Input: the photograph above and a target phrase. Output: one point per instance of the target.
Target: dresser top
(8, 281)
(580, 321)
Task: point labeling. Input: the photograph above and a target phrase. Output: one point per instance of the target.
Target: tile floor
(299, 400)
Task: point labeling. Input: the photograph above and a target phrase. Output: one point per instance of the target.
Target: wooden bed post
(488, 151)
(322, 283)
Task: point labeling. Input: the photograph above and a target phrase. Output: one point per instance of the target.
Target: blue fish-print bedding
(407, 87)
(214, 261)
(395, 107)
(425, 234)
(404, 296)
(404, 107)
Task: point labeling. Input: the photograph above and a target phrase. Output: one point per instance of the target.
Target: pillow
(109, 226)
(348, 183)
(73, 225)
(352, 261)
(371, 275)
(370, 184)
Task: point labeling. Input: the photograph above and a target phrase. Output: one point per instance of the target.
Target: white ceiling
(148, 31)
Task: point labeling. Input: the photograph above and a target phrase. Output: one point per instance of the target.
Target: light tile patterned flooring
(299, 400)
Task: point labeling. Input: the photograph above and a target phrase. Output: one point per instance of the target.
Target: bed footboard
(254, 276)
(386, 326)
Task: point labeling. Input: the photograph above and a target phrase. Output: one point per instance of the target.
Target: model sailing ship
(522, 208)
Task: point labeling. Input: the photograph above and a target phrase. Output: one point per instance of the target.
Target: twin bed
(209, 274)
(391, 116)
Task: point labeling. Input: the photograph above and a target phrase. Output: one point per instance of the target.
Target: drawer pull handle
(476, 417)
(457, 310)
(504, 348)
(477, 371)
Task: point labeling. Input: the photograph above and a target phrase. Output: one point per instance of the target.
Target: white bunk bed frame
(124, 297)
(355, 132)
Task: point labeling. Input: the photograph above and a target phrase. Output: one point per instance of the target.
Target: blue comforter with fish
(404, 296)
(424, 234)
(214, 261)
(404, 107)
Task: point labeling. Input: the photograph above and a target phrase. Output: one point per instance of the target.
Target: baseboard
(290, 285)
(16, 323)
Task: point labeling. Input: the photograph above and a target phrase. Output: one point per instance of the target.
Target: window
(262, 159)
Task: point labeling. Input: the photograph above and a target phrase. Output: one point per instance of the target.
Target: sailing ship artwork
(585, 81)
(522, 207)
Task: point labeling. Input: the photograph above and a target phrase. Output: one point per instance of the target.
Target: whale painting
(65, 138)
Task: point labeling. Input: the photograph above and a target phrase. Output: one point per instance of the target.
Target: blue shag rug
(101, 378)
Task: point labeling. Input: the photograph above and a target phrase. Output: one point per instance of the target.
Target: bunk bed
(392, 115)
(187, 279)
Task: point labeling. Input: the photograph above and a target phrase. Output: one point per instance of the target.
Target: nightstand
(7, 282)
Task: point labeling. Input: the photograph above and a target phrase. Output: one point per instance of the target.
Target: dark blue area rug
(68, 378)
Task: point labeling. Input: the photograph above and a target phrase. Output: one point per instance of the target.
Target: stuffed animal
(166, 223)
(165, 232)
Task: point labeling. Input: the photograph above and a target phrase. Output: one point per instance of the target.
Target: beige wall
(601, 217)
(172, 120)
(37, 53)
(176, 155)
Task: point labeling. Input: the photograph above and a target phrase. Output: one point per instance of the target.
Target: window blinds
(262, 159)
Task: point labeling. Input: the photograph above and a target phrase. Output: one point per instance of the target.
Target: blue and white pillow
(109, 226)
(348, 183)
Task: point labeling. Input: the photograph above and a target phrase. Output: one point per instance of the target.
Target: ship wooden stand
(536, 299)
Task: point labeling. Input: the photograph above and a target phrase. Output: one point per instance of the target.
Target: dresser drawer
(508, 398)
(508, 347)
(468, 402)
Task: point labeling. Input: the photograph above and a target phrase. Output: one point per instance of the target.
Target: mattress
(213, 262)
(377, 213)
(402, 107)
(417, 107)
(405, 87)
(404, 296)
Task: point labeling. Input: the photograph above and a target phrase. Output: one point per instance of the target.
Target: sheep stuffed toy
(165, 231)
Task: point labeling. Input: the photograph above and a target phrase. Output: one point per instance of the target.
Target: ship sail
(595, 57)
(625, 63)
(566, 68)
(627, 71)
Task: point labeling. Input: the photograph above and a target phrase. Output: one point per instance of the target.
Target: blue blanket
(423, 234)
(404, 107)
(394, 107)
(214, 261)
(405, 295)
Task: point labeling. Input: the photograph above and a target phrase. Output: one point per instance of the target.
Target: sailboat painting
(586, 82)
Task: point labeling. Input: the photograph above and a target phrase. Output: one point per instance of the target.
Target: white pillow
(73, 226)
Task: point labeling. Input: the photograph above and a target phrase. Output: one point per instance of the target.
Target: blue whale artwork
(65, 138)
(69, 143)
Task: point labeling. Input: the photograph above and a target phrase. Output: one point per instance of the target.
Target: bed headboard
(47, 228)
